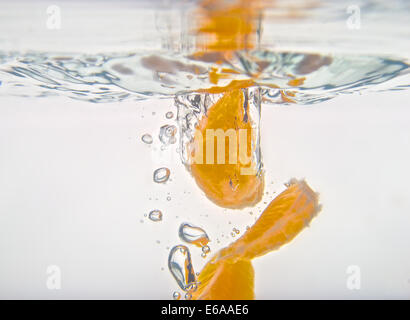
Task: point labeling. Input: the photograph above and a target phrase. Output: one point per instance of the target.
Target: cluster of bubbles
(167, 134)
(234, 232)
(179, 259)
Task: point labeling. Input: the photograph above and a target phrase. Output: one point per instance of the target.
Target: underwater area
(100, 104)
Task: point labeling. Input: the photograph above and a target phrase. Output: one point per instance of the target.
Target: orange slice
(227, 25)
(226, 280)
(229, 274)
(218, 153)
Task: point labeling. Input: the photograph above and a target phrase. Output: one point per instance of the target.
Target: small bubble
(161, 175)
(188, 296)
(167, 134)
(206, 249)
(155, 215)
(176, 295)
(203, 255)
(233, 234)
(147, 138)
(168, 198)
(235, 230)
(193, 287)
(169, 115)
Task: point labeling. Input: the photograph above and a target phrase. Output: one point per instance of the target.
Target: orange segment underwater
(220, 174)
(229, 274)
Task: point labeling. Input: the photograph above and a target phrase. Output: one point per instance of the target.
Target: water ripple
(286, 77)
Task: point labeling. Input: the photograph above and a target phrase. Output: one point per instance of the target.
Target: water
(102, 78)
(319, 47)
(306, 59)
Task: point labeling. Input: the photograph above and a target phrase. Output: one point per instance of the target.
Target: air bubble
(169, 115)
(180, 266)
(161, 175)
(155, 215)
(176, 295)
(193, 287)
(192, 234)
(147, 138)
(167, 134)
(206, 249)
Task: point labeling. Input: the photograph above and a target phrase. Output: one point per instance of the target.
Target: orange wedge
(229, 274)
(221, 174)
(227, 25)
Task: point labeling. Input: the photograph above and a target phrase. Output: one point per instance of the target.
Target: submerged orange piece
(229, 274)
(224, 165)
